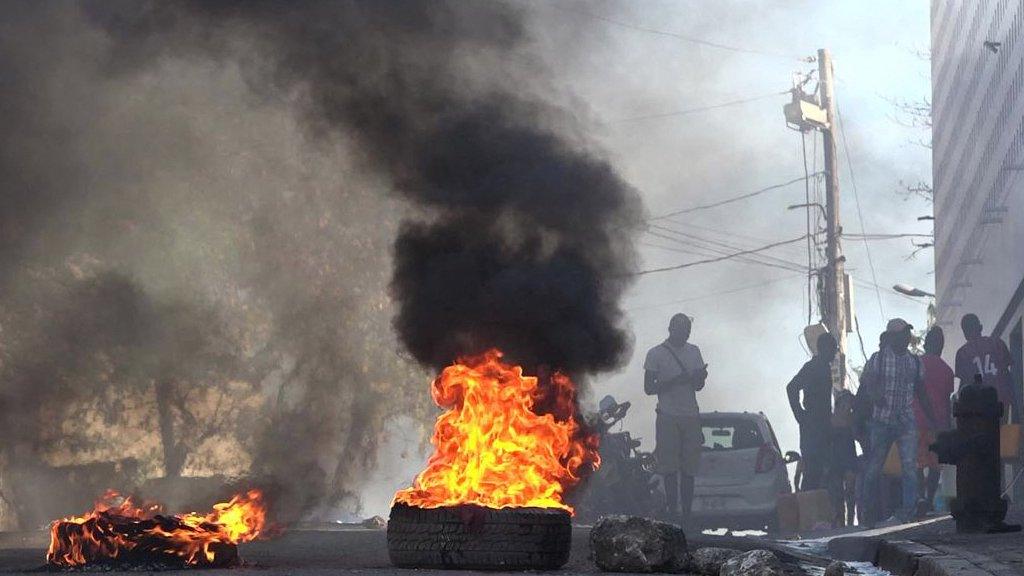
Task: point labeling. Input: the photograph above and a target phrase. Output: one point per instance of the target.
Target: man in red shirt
(938, 385)
(991, 358)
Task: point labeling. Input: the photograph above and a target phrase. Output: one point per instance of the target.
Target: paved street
(354, 551)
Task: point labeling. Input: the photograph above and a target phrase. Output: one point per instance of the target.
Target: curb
(908, 558)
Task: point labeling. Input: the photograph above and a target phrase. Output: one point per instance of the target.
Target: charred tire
(477, 538)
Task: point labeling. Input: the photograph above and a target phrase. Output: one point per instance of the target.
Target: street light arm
(911, 291)
(824, 214)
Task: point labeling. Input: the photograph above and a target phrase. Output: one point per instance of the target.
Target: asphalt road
(312, 552)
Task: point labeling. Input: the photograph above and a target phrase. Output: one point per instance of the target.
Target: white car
(742, 473)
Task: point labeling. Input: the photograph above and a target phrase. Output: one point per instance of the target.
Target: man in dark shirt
(815, 413)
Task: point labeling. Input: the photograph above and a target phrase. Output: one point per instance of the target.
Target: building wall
(978, 165)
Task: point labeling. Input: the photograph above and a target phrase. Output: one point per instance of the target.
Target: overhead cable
(696, 110)
(690, 39)
(717, 293)
(719, 248)
(720, 258)
(860, 215)
(886, 236)
(734, 198)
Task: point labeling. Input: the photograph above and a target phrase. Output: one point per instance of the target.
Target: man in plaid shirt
(894, 377)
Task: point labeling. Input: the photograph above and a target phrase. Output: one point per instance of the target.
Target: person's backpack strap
(682, 368)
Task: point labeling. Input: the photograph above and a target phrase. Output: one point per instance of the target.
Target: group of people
(903, 400)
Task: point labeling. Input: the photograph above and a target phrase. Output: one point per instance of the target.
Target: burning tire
(477, 538)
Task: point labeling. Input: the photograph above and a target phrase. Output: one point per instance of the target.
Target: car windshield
(731, 434)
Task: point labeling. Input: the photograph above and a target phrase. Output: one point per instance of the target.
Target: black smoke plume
(529, 236)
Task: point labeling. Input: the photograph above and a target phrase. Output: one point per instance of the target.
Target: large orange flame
(505, 440)
(117, 528)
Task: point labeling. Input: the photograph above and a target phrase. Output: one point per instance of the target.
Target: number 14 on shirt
(988, 367)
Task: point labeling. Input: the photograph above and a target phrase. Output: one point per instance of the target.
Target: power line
(719, 247)
(697, 109)
(807, 218)
(712, 252)
(720, 258)
(880, 289)
(740, 241)
(733, 199)
(733, 244)
(887, 236)
(750, 260)
(716, 294)
(675, 35)
(860, 215)
(686, 249)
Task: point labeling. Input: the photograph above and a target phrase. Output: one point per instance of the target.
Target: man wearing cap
(894, 376)
(675, 371)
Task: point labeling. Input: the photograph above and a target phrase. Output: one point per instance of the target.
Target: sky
(748, 318)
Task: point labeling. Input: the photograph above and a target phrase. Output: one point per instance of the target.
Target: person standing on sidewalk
(938, 386)
(863, 408)
(814, 415)
(988, 356)
(844, 466)
(895, 377)
(675, 371)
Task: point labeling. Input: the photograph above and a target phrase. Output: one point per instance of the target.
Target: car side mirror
(791, 457)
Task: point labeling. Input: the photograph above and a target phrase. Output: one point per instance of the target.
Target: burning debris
(119, 533)
(506, 451)
(505, 440)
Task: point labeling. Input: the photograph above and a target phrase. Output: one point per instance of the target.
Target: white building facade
(978, 167)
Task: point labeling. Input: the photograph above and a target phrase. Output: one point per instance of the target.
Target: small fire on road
(118, 532)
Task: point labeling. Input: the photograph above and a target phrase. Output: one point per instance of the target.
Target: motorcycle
(625, 482)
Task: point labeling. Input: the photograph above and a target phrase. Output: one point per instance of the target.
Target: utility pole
(807, 115)
(834, 277)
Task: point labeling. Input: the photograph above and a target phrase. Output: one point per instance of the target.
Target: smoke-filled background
(201, 200)
(237, 238)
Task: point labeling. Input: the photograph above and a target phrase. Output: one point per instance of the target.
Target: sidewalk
(935, 549)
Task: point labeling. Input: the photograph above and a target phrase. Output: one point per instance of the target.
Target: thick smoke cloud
(529, 245)
(188, 285)
(198, 267)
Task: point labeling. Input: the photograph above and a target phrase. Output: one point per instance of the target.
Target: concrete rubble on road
(637, 544)
(753, 563)
(709, 561)
(375, 523)
(835, 569)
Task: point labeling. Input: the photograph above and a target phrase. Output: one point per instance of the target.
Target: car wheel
(478, 538)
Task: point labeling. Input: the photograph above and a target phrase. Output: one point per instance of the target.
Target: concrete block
(815, 510)
(945, 565)
(901, 557)
(854, 548)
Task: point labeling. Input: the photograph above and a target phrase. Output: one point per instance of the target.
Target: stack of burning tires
(506, 451)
